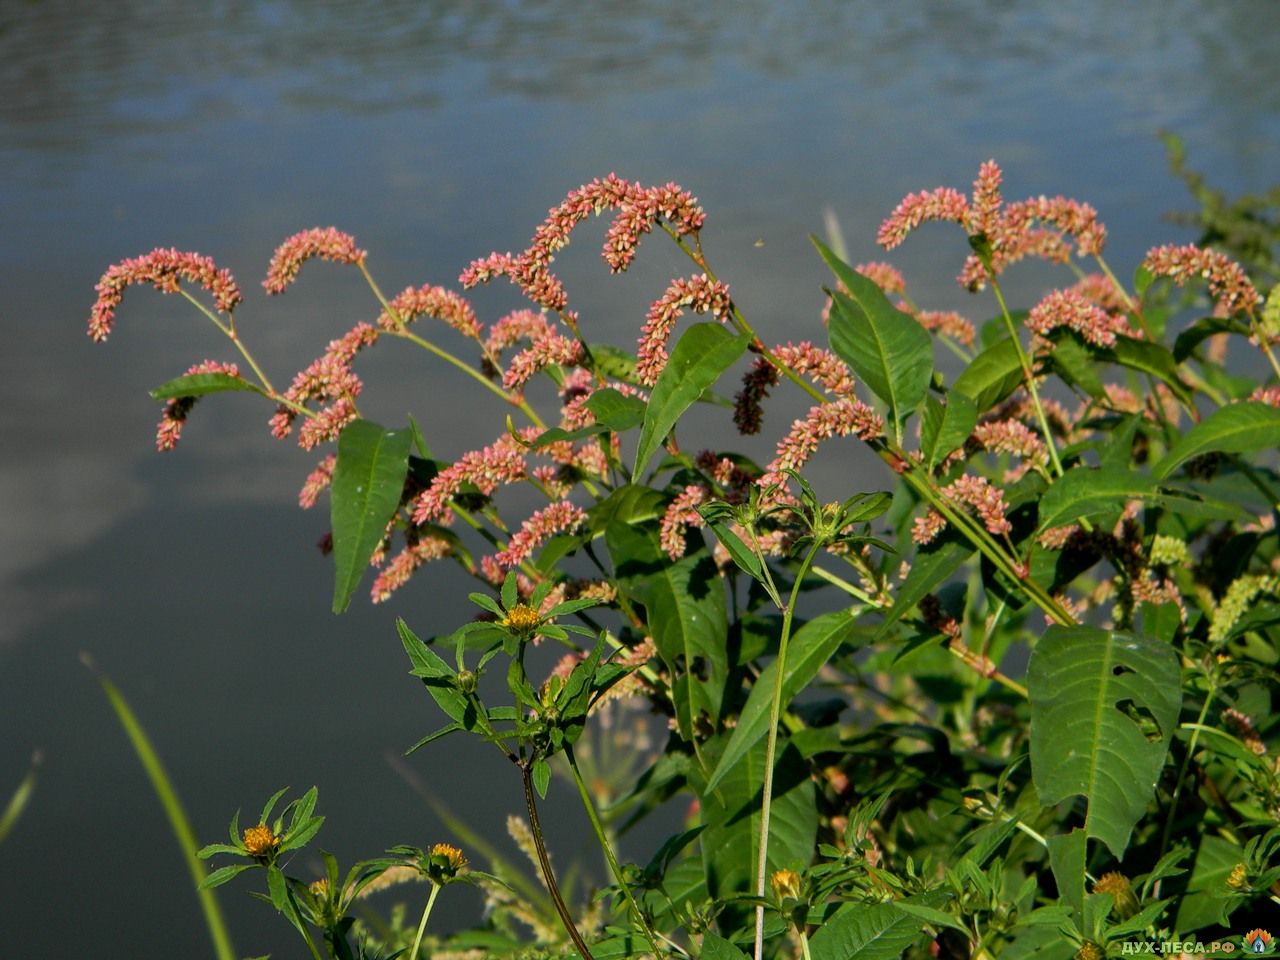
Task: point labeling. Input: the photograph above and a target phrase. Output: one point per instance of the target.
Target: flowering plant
(1028, 712)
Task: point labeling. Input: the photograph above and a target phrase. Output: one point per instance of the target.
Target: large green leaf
(992, 375)
(1104, 706)
(703, 353)
(888, 349)
(1239, 428)
(201, 384)
(945, 427)
(1151, 358)
(717, 948)
(684, 605)
(731, 842)
(1092, 492)
(368, 480)
(870, 931)
(811, 647)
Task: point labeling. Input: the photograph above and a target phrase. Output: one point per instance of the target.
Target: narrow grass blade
(21, 796)
(173, 808)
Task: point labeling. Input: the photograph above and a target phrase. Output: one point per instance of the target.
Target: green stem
(422, 924)
(1030, 377)
(603, 837)
(771, 746)
(1182, 775)
(544, 861)
(804, 944)
(229, 329)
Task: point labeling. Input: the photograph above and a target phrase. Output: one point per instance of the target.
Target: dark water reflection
(435, 132)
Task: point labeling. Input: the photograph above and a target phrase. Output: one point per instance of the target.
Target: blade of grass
(21, 796)
(173, 808)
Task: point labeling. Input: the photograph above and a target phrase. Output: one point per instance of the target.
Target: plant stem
(1182, 775)
(1030, 377)
(422, 925)
(603, 837)
(544, 861)
(771, 745)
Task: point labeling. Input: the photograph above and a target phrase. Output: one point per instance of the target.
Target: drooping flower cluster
(698, 293)
(839, 418)
(327, 243)
(1046, 227)
(164, 269)
(318, 480)
(546, 349)
(329, 378)
(969, 490)
(540, 527)
(1067, 308)
(1015, 438)
(1228, 285)
(822, 366)
(177, 409)
(431, 301)
(748, 403)
(680, 515)
(425, 546)
(500, 463)
(639, 209)
(948, 323)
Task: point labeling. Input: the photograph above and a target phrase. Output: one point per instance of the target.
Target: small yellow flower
(1089, 951)
(1238, 879)
(319, 888)
(1123, 900)
(445, 862)
(522, 618)
(259, 841)
(785, 883)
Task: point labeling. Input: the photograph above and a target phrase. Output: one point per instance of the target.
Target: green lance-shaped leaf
(702, 354)
(878, 931)
(888, 349)
(1239, 428)
(717, 948)
(685, 607)
(1090, 492)
(367, 482)
(616, 410)
(201, 384)
(811, 647)
(944, 427)
(991, 376)
(1151, 358)
(1067, 860)
(1104, 706)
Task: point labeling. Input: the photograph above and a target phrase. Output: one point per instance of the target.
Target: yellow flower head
(1124, 901)
(785, 883)
(522, 618)
(1089, 951)
(1239, 878)
(319, 888)
(445, 862)
(259, 841)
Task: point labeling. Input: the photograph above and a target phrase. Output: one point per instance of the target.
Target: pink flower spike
(680, 515)
(163, 268)
(539, 528)
(837, 419)
(428, 547)
(1066, 308)
(177, 409)
(986, 500)
(1228, 285)
(500, 463)
(548, 349)
(327, 243)
(699, 294)
(431, 301)
(885, 276)
(317, 482)
(942, 203)
(985, 209)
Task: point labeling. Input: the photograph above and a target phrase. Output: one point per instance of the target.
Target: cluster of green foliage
(990, 744)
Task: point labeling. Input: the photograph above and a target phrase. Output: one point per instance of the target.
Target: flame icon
(1258, 941)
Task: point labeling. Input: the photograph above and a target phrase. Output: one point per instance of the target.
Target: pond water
(436, 132)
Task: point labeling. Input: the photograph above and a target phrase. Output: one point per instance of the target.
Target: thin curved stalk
(544, 861)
